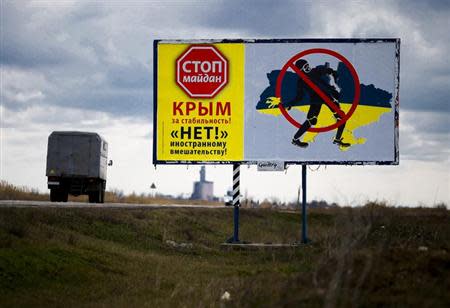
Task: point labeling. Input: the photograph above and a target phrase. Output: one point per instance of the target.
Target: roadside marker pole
(236, 203)
(304, 226)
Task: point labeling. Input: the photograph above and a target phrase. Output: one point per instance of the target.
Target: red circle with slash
(326, 99)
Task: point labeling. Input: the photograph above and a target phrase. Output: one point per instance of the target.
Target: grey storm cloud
(99, 56)
(418, 6)
(82, 68)
(430, 123)
(260, 19)
(95, 56)
(425, 66)
(24, 46)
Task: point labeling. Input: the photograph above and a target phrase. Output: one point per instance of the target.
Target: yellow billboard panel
(200, 102)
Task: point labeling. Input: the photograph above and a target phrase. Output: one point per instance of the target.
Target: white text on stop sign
(202, 66)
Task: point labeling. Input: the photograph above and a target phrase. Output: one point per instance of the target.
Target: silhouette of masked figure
(320, 76)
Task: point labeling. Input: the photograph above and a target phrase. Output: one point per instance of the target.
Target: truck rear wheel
(97, 196)
(93, 196)
(64, 195)
(54, 195)
(59, 195)
(102, 196)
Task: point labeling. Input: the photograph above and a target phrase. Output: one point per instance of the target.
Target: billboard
(297, 101)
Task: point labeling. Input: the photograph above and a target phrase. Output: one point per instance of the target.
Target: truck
(76, 165)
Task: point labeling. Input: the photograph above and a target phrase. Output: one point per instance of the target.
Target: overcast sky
(87, 65)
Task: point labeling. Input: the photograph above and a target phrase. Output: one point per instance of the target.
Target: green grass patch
(370, 256)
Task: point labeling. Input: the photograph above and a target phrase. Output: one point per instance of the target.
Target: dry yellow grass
(11, 192)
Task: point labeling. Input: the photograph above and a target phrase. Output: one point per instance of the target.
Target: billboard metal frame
(395, 99)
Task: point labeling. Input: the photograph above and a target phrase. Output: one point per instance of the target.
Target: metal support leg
(304, 221)
(236, 203)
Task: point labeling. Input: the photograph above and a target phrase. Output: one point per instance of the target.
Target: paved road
(15, 203)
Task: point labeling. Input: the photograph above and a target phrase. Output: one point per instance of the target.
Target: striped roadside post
(236, 183)
(304, 239)
(236, 203)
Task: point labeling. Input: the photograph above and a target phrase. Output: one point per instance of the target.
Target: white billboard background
(268, 137)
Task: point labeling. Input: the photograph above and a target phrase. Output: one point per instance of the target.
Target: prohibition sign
(315, 88)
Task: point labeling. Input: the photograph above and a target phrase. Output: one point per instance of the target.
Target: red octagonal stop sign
(202, 71)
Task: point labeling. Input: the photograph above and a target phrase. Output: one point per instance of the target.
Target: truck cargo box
(77, 154)
(76, 165)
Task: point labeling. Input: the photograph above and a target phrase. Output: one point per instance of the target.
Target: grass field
(369, 256)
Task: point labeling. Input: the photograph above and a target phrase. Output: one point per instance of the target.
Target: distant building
(203, 190)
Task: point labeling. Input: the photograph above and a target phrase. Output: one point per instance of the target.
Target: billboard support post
(236, 202)
(236, 225)
(304, 220)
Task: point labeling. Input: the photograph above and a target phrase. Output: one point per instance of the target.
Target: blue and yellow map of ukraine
(373, 103)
